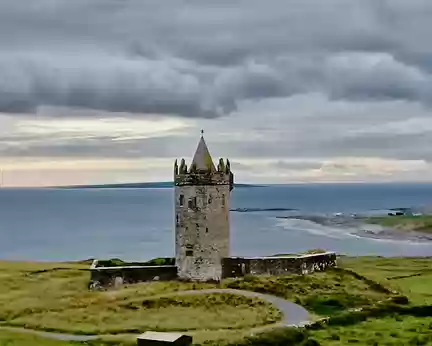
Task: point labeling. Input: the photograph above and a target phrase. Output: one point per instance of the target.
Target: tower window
(223, 200)
(181, 200)
(189, 250)
(192, 203)
(209, 200)
(177, 220)
(206, 229)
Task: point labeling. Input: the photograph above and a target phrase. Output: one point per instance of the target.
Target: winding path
(293, 314)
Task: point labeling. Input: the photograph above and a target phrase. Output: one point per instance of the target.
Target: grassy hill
(54, 297)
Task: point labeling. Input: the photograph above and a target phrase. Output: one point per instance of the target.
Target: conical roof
(202, 159)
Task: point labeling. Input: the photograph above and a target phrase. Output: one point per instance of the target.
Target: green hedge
(115, 262)
(382, 310)
(277, 337)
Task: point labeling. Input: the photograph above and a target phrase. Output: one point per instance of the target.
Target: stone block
(159, 339)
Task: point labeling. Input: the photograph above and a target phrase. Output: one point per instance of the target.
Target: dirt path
(293, 314)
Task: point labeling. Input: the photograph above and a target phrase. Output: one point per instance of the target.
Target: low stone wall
(103, 277)
(241, 266)
(116, 276)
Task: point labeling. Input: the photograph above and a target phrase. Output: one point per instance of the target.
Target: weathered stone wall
(238, 266)
(114, 276)
(202, 178)
(202, 230)
(212, 267)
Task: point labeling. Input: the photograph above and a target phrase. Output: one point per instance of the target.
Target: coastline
(364, 227)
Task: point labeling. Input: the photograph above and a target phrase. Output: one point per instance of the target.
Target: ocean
(137, 224)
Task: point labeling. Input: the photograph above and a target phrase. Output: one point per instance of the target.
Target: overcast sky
(99, 91)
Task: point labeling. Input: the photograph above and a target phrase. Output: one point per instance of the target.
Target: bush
(277, 337)
(402, 300)
(116, 262)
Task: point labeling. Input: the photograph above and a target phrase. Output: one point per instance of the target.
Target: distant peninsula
(150, 185)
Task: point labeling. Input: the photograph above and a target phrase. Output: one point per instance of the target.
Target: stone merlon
(202, 170)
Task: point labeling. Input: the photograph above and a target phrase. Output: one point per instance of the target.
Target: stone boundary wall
(102, 277)
(116, 276)
(241, 266)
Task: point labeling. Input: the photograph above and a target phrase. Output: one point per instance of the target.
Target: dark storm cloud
(199, 59)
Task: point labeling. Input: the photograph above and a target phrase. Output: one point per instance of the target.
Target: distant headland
(149, 185)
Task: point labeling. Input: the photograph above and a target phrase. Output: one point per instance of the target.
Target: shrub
(277, 337)
(116, 262)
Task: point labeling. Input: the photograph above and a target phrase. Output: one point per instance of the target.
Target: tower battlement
(221, 176)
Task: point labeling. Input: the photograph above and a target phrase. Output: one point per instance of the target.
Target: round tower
(202, 196)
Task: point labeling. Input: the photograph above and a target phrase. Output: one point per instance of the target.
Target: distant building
(202, 226)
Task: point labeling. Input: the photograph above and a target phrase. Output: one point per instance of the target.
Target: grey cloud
(202, 60)
(98, 83)
(395, 146)
(95, 147)
(293, 133)
(297, 165)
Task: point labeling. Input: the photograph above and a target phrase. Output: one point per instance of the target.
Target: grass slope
(8, 338)
(323, 293)
(410, 276)
(21, 339)
(54, 297)
(422, 223)
(174, 313)
(393, 330)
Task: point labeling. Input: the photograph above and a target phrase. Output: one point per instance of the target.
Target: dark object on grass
(159, 339)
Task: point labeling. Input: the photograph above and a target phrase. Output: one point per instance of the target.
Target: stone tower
(202, 196)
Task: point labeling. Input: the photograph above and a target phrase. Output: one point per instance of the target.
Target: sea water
(137, 224)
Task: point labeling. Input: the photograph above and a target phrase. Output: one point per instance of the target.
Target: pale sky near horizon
(106, 91)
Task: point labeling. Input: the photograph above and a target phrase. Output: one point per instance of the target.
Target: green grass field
(10, 338)
(41, 297)
(393, 330)
(54, 296)
(410, 276)
(322, 293)
(176, 313)
(22, 339)
(421, 223)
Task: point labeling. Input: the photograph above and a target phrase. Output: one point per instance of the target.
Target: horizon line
(128, 184)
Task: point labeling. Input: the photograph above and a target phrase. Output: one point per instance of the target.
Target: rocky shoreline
(359, 226)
